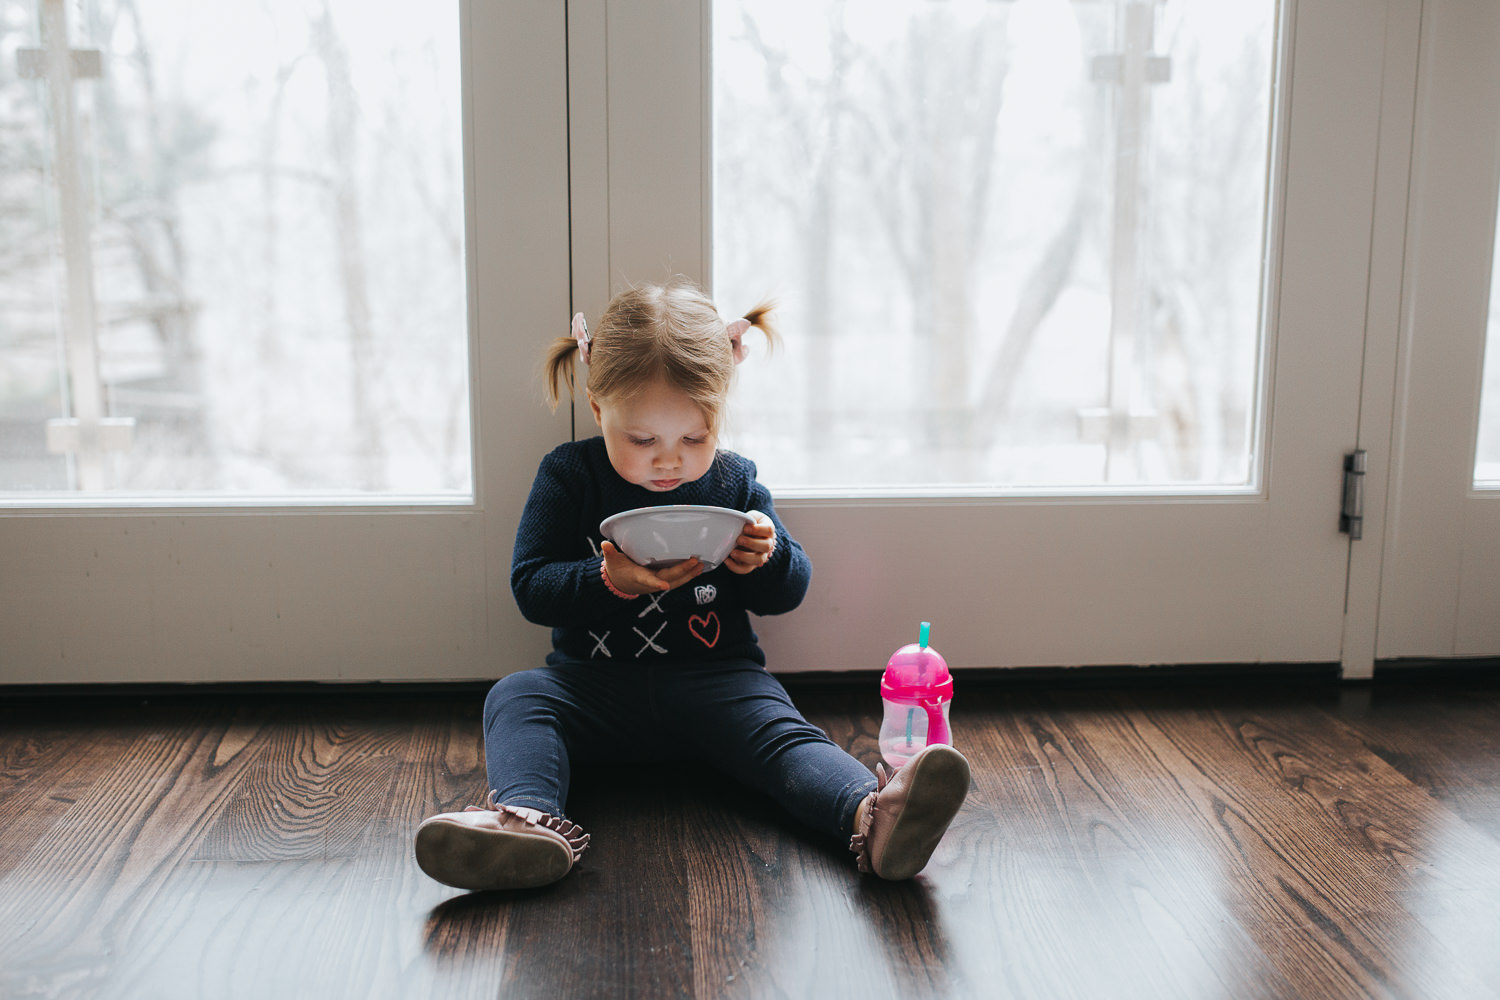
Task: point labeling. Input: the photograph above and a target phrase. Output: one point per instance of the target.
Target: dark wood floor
(1189, 842)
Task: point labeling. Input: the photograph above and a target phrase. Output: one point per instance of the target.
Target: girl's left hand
(755, 545)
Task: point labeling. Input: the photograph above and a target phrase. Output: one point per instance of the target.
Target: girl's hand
(754, 547)
(630, 577)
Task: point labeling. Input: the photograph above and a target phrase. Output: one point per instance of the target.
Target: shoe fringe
(859, 843)
(577, 840)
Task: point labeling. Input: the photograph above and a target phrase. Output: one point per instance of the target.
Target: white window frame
(374, 589)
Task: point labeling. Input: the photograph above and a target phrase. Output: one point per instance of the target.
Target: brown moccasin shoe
(911, 812)
(498, 847)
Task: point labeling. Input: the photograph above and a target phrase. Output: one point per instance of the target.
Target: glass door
(236, 253)
(1037, 227)
(1441, 572)
(267, 331)
(1073, 292)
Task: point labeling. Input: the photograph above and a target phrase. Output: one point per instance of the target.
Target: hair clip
(581, 334)
(736, 331)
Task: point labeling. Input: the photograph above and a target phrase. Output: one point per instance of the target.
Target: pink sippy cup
(917, 690)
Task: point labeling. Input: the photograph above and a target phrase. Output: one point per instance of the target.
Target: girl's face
(656, 438)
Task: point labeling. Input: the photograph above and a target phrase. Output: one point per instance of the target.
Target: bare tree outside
(1018, 243)
(31, 376)
(273, 201)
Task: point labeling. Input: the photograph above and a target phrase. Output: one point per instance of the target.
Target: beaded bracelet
(604, 575)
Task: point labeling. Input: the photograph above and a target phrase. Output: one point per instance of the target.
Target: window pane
(232, 248)
(1017, 243)
(1487, 456)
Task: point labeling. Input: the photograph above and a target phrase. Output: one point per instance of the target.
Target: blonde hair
(652, 332)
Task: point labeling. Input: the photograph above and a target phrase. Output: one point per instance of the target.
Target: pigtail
(558, 368)
(760, 318)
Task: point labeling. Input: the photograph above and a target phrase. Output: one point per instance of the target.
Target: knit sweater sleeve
(779, 585)
(554, 572)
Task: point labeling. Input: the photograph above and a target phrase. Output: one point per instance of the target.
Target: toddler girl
(662, 664)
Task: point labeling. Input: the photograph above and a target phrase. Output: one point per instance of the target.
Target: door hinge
(1352, 513)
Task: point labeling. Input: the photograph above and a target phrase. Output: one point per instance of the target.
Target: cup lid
(916, 670)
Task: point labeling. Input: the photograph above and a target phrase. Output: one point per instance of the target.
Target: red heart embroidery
(697, 620)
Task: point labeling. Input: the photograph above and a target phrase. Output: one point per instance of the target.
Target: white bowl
(665, 536)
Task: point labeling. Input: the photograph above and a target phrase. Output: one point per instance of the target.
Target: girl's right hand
(630, 577)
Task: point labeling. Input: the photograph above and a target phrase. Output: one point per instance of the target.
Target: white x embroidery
(651, 640)
(599, 646)
(655, 605)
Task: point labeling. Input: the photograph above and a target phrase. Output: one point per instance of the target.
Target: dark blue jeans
(730, 714)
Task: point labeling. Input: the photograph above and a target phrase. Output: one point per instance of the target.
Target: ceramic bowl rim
(605, 526)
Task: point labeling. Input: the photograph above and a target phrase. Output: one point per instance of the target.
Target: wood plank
(1118, 843)
(1445, 741)
(74, 887)
(70, 756)
(1085, 841)
(1327, 837)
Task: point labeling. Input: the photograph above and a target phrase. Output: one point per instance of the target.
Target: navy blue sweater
(554, 571)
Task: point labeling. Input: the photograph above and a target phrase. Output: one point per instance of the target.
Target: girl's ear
(594, 405)
(736, 331)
